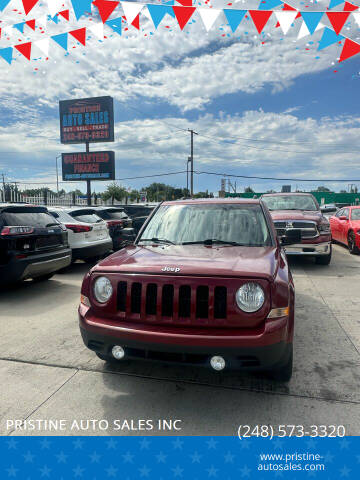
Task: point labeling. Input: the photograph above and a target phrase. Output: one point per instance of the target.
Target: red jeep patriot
(301, 211)
(206, 282)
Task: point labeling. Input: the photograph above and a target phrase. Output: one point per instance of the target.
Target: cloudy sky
(264, 105)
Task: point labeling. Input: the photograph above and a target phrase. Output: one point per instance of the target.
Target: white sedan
(88, 234)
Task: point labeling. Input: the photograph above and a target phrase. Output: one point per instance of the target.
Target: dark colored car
(32, 244)
(206, 282)
(119, 224)
(138, 213)
(301, 211)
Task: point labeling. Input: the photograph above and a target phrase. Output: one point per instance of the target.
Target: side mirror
(291, 236)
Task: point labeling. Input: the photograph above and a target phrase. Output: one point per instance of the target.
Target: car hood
(296, 215)
(255, 262)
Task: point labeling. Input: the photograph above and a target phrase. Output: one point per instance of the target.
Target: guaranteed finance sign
(87, 120)
(88, 166)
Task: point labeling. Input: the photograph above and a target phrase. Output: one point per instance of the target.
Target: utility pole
(192, 162)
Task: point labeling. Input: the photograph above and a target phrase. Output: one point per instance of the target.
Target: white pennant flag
(304, 31)
(131, 10)
(43, 45)
(8, 31)
(97, 29)
(286, 19)
(54, 6)
(208, 16)
(147, 13)
(357, 17)
(42, 21)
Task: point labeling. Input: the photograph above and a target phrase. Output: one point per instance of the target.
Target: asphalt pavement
(46, 373)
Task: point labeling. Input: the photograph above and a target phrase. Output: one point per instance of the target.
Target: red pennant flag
(105, 7)
(183, 15)
(0, 32)
(350, 7)
(260, 18)
(65, 14)
(31, 24)
(337, 20)
(185, 3)
(24, 49)
(79, 35)
(136, 22)
(350, 49)
(288, 7)
(29, 5)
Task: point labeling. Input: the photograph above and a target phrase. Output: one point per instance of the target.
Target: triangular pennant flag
(350, 7)
(288, 7)
(115, 24)
(3, 4)
(105, 7)
(356, 16)
(350, 49)
(136, 22)
(42, 20)
(19, 26)
(0, 32)
(183, 15)
(24, 49)
(29, 5)
(285, 19)
(31, 24)
(303, 32)
(185, 3)
(131, 10)
(328, 38)
(97, 29)
(337, 20)
(54, 19)
(312, 20)
(234, 17)
(269, 4)
(80, 7)
(335, 3)
(260, 18)
(158, 12)
(65, 14)
(208, 16)
(79, 35)
(6, 54)
(62, 40)
(54, 6)
(43, 45)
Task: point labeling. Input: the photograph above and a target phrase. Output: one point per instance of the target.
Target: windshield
(290, 202)
(85, 216)
(112, 214)
(355, 214)
(221, 223)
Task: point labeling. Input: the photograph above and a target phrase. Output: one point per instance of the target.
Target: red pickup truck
(206, 282)
(301, 211)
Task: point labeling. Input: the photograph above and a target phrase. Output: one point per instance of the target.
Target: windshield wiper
(212, 241)
(157, 240)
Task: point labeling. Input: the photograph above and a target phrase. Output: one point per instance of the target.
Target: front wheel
(284, 373)
(324, 259)
(352, 243)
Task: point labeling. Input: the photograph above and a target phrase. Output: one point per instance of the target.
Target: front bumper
(323, 248)
(264, 349)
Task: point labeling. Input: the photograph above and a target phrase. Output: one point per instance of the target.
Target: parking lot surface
(47, 373)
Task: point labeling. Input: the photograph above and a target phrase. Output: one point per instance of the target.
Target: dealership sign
(88, 166)
(87, 120)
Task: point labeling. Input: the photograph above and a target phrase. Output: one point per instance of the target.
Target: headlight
(102, 289)
(324, 228)
(250, 297)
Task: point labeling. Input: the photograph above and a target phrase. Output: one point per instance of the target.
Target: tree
(321, 188)
(115, 192)
(248, 190)
(157, 192)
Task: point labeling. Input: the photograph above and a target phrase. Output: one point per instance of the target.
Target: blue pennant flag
(269, 4)
(55, 18)
(311, 20)
(80, 7)
(234, 17)
(3, 4)
(62, 40)
(158, 12)
(329, 38)
(115, 24)
(19, 26)
(335, 3)
(6, 54)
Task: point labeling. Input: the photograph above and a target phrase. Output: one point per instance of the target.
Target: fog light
(217, 363)
(118, 352)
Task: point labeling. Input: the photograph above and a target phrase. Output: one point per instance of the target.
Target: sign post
(88, 120)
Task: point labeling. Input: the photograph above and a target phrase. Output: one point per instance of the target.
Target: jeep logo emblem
(171, 269)
(289, 225)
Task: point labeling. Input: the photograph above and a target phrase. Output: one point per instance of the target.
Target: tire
(42, 278)
(284, 373)
(324, 259)
(353, 249)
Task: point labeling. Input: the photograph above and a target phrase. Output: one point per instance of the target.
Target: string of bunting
(183, 13)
